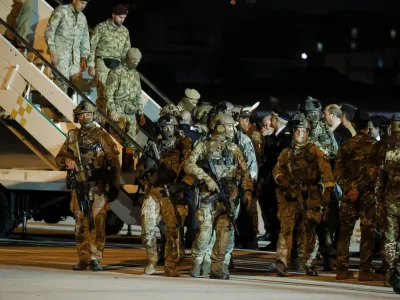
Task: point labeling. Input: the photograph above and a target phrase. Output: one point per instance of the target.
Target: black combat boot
(311, 271)
(279, 268)
(95, 265)
(81, 266)
(195, 270)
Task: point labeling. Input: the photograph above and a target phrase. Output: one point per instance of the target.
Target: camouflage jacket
(123, 91)
(172, 153)
(322, 136)
(99, 154)
(354, 165)
(245, 145)
(110, 41)
(309, 166)
(67, 31)
(258, 141)
(388, 181)
(231, 164)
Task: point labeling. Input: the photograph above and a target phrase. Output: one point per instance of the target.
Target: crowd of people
(313, 173)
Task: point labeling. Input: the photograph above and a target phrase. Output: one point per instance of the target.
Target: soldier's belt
(110, 62)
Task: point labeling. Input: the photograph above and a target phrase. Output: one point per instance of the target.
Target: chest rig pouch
(222, 159)
(92, 153)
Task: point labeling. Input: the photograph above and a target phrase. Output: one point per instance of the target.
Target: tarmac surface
(38, 266)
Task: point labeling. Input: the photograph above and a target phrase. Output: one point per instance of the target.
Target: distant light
(380, 63)
(353, 45)
(393, 33)
(320, 47)
(354, 32)
(304, 56)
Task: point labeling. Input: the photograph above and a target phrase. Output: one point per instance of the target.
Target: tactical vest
(320, 137)
(304, 166)
(222, 157)
(92, 153)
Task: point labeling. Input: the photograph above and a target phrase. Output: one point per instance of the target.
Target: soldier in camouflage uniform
(170, 109)
(123, 94)
(321, 135)
(67, 36)
(161, 204)
(99, 156)
(189, 101)
(388, 184)
(201, 118)
(304, 181)
(245, 145)
(229, 163)
(110, 42)
(356, 173)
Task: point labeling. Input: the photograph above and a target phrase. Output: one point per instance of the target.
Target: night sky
(250, 52)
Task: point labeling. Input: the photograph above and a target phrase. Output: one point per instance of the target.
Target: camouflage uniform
(388, 195)
(99, 156)
(108, 41)
(67, 35)
(354, 168)
(157, 206)
(211, 216)
(123, 94)
(310, 168)
(245, 145)
(322, 136)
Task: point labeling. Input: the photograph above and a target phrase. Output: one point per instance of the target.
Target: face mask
(131, 64)
(314, 117)
(167, 133)
(86, 123)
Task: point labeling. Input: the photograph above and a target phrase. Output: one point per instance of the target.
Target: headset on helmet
(220, 119)
(81, 108)
(166, 120)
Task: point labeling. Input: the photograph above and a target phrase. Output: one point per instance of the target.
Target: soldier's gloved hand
(114, 116)
(283, 182)
(54, 58)
(142, 120)
(212, 186)
(92, 71)
(71, 164)
(83, 64)
(353, 194)
(179, 187)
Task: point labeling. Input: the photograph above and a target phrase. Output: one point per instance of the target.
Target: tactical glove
(83, 64)
(211, 185)
(142, 120)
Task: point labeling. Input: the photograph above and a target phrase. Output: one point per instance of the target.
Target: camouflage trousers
(365, 209)
(157, 208)
(215, 236)
(90, 243)
(67, 65)
(298, 225)
(390, 227)
(101, 76)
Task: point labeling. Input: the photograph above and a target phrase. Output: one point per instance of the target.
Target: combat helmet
(395, 123)
(81, 108)
(170, 109)
(166, 120)
(311, 104)
(299, 120)
(220, 119)
(202, 111)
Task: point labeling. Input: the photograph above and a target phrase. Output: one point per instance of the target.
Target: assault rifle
(157, 158)
(79, 181)
(223, 196)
